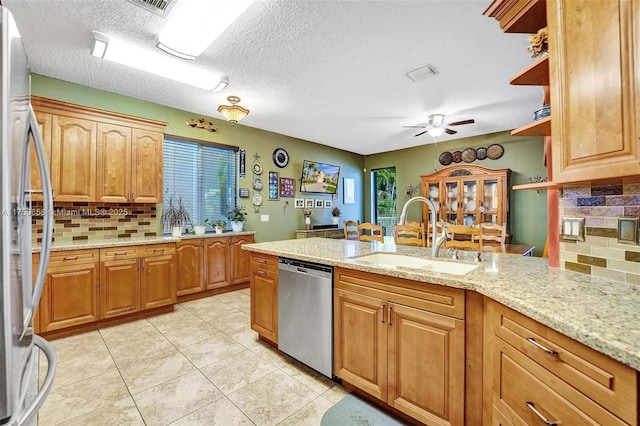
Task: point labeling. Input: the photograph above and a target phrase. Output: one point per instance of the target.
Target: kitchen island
(601, 314)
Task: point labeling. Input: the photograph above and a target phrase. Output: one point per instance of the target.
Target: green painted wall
(524, 156)
(283, 219)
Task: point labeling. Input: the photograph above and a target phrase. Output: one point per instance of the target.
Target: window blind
(204, 176)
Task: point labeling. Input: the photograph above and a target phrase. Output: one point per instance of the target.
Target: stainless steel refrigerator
(20, 349)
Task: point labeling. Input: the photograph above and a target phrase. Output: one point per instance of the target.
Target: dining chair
(370, 232)
(464, 237)
(410, 235)
(492, 232)
(351, 229)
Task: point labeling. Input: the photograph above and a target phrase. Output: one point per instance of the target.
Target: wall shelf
(539, 185)
(536, 74)
(540, 127)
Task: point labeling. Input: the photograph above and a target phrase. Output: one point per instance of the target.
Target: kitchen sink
(391, 260)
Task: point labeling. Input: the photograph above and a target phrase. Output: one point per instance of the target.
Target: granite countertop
(601, 313)
(85, 244)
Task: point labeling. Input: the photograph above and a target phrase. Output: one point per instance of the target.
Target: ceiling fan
(435, 126)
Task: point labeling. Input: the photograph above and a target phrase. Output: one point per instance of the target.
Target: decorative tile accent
(577, 267)
(592, 201)
(602, 232)
(607, 190)
(632, 256)
(592, 260)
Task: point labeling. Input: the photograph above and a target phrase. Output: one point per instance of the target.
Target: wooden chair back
(370, 232)
(410, 235)
(464, 237)
(493, 233)
(351, 229)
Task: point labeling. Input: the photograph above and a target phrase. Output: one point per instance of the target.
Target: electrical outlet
(264, 218)
(573, 228)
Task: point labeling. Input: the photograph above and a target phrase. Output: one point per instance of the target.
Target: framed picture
(287, 187)
(318, 204)
(273, 185)
(349, 192)
(299, 203)
(327, 204)
(308, 203)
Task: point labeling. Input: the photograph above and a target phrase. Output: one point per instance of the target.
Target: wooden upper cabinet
(73, 158)
(44, 126)
(114, 163)
(146, 167)
(595, 81)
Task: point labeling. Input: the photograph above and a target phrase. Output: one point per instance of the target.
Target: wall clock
(280, 157)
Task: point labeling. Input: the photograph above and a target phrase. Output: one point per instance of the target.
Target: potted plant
(219, 225)
(237, 217)
(335, 212)
(199, 228)
(175, 215)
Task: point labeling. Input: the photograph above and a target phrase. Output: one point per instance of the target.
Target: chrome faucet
(438, 240)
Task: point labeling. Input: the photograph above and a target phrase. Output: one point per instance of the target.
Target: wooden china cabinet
(468, 195)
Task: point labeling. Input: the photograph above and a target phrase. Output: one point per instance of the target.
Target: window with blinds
(205, 176)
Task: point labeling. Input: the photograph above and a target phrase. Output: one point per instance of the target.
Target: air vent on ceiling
(159, 7)
(422, 73)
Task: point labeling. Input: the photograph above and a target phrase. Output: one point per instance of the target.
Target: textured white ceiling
(332, 72)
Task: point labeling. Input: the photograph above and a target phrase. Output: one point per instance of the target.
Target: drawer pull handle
(261, 261)
(539, 346)
(532, 407)
(382, 313)
(263, 273)
(158, 249)
(71, 258)
(120, 253)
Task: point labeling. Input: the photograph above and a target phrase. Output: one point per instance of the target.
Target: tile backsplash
(98, 221)
(601, 254)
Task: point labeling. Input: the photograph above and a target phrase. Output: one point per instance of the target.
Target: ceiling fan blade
(415, 127)
(458, 123)
(421, 133)
(450, 132)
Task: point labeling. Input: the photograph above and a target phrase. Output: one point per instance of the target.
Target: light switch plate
(572, 228)
(264, 218)
(628, 230)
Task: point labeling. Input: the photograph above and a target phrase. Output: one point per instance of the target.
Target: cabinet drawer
(264, 261)
(73, 257)
(606, 381)
(119, 253)
(430, 297)
(525, 393)
(157, 249)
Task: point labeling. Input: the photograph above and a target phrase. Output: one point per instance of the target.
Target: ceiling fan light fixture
(436, 120)
(233, 113)
(436, 131)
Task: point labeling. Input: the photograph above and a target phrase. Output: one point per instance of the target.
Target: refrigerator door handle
(37, 402)
(47, 207)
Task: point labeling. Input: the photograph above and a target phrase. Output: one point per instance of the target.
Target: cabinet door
(264, 302)
(158, 281)
(146, 167)
(217, 256)
(426, 365)
(119, 287)
(593, 66)
(360, 341)
(73, 159)
(70, 296)
(44, 126)
(240, 259)
(452, 196)
(114, 163)
(190, 266)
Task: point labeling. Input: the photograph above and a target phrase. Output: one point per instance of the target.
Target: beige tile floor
(199, 365)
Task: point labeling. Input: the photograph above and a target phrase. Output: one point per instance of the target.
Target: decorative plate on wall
(280, 157)
(495, 151)
(446, 158)
(257, 199)
(257, 168)
(481, 153)
(469, 155)
(457, 156)
(257, 184)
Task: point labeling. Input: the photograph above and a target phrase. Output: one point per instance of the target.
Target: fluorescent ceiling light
(192, 25)
(113, 49)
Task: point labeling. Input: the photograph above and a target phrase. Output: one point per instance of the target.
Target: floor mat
(352, 411)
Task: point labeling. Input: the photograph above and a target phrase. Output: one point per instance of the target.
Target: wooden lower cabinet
(217, 258)
(264, 295)
(408, 357)
(119, 287)
(158, 281)
(190, 254)
(70, 295)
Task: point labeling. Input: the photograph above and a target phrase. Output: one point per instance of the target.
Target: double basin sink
(391, 260)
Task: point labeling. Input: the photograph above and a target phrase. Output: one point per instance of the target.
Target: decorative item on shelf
(469, 155)
(539, 44)
(201, 124)
(446, 158)
(457, 156)
(307, 218)
(411, 190)
(545, 111)
(481, 153)
(495, 151)
(237, 217)
(219, 225)
(175, 215)
(233, 113)
(335, 213)
(537, 179)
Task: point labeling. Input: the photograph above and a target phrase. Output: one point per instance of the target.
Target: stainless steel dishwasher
(305, 313)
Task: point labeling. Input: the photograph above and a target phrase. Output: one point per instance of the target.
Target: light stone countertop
(601, 313)
(84, 244)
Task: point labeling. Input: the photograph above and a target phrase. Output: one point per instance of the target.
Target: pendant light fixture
(233, 113)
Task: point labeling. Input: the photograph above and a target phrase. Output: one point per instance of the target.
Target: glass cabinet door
(469, 202)
(489, 207)
(451, 202)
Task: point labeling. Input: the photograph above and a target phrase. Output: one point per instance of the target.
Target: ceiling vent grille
(159, 7)
(422, 73)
